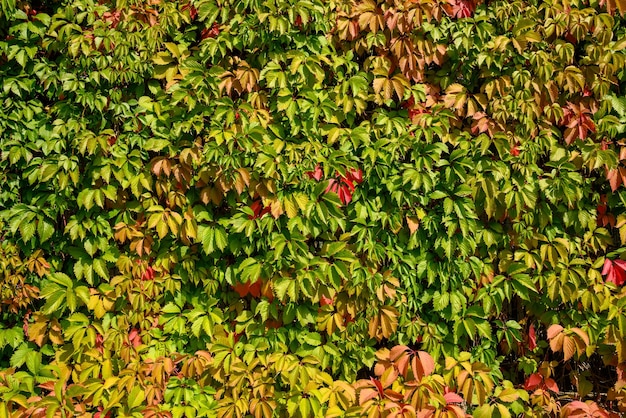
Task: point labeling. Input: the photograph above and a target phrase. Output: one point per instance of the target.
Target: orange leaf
(569, 348)
(366, 394)
(554, 330)
(397, 351)
(388, 377)
(582, 334)
(614, 179)
(556, 344)
(413, 223)
(428, 363)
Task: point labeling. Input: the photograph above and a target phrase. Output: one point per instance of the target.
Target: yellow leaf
(173, 48)
(388, 377)
(467, 390)
(481, 393)
(373, 327)
(388, 89)
(388, 320)
(302, 200)
(379, 83)
(290, 207)
(162, 58)
(240, 184)
(37, 330)
(398, 86)
(504, 412)
(55, 334)
(245, 175)
(485, 411)
(508, 395)
(162, 230)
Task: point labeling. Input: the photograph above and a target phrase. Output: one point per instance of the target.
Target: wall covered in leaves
(232, 208)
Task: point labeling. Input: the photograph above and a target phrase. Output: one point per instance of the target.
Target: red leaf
(532, 337)
(344, 186)
(452, 397)
(241, 289)
(316, 174)
(460, 8)
(551, 385)
(193, 12)
(148, 274)
(332, 186)
(258, 209)
(99, 413)
(355, 175)
(134, 337)
(348, 183)
(210, 33)
(273, 323)
(255, 289)
(533, 381)
(398, 351)
(325, 300)
(344, 194)
(378, 385)
(514, 151)
(614, 178)
(578, 121)
(578, 405)
(409, 103)
(99, 340)
(249, 288)
(615, 271)
(112, 17)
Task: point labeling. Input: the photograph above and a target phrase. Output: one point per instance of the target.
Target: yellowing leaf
(508, 395)
(290, 207)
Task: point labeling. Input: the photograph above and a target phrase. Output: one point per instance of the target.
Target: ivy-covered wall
(242, 208)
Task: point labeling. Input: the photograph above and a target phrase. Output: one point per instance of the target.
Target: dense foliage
(312, 208)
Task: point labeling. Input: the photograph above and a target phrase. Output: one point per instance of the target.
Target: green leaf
(155, 144)
(21, 355)
(221, 238)
(312, 338)
(262, 308)
(33, 362)
(44, 230)
(250, 270)
(441, 300)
